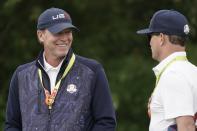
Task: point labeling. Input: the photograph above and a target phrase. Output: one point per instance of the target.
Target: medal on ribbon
(50, 98)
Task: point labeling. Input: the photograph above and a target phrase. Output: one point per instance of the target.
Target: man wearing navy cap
(173, 103)
(59, 91)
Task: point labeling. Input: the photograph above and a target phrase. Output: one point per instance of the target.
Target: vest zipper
(49, 110)
(49, 120)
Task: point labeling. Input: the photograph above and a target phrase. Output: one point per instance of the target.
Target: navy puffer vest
(71, 110)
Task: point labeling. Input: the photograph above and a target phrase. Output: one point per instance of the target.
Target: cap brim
(144, 31)
(60, 27)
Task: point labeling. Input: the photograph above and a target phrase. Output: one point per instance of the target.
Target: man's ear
(40, 35)
(162, 39)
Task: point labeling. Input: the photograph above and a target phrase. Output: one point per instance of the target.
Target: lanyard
(50, 98)
(178, 58)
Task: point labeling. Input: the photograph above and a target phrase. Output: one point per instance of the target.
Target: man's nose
(64, 37)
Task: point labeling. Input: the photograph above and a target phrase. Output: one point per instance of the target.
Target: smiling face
(56, 46)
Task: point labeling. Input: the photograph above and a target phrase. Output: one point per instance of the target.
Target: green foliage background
(107, 34)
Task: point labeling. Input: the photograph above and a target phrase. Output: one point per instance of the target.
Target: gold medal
(49, 99)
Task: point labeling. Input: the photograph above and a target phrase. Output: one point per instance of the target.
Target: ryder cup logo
(71, 88)
(186, 29)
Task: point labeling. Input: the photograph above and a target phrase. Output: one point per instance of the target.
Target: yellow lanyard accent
(50, 98)
(178, 58)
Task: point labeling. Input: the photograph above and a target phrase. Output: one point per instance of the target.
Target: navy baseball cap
(169, 22)
(55, 20)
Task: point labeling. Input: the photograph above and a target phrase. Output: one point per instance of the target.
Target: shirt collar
(48, 67)
(164, 62)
